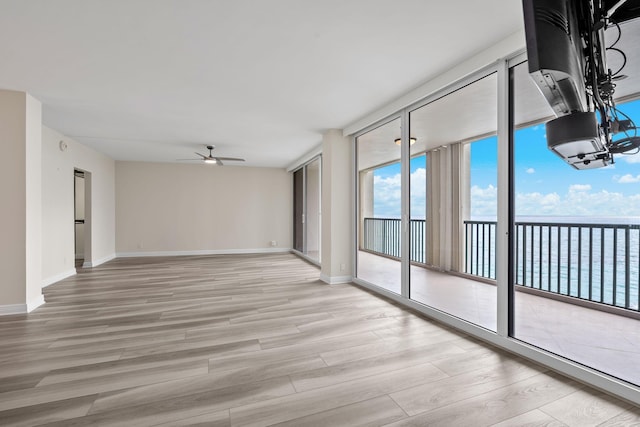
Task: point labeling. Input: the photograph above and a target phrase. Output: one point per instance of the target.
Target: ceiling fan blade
(202, 155)
(219, 162)
(189, 160)
(235, 159)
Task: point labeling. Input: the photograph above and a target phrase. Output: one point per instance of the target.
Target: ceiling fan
(214, 160)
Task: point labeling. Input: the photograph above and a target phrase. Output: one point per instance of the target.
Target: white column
(21, 206)
(337, 202)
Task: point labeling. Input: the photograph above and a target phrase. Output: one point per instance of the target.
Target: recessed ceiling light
(412, 141)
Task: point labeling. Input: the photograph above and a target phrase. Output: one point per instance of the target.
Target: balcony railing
(594, 262)
(382, 235)
(480, 248)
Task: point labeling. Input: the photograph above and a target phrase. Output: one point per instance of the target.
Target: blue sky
(545, 184)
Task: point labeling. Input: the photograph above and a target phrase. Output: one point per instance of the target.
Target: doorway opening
(82, 218)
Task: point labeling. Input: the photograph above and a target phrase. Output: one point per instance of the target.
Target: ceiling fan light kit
(214, 160)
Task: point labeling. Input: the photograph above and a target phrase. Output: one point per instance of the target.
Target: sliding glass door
(298, 210)
(453, 186)
(379, 246)
(576, 244)
(306, 209)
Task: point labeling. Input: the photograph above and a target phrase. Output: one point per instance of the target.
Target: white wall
(34, 202)
(20, 189)
(58, 255)
(168, 209)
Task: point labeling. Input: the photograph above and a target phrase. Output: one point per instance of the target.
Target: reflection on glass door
(576, 245)
(453, 203)
(379, 216)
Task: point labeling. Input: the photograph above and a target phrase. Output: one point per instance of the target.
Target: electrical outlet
(274, 243)
(342, 267)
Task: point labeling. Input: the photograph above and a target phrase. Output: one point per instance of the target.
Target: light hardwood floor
(259, 340)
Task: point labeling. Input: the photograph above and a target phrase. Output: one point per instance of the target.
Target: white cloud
(632, 159)
(579, 200)
(578, 203)
(628, 179)
(579, 187)
(386, 195)
(531, 170)
(537, 203)
(484, 201)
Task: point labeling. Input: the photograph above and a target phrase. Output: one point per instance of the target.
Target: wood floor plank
(392, 344)
(19, 382)
(630, 417)
(44, 413)
(213, 419)
(585, 408)
(428, 397)
(474, 359)
(89, 386)
(185, 406)
(326, 329)
(535, 418)
(317, 400)
(497, 405)
(216, 380)
(189, 347)
(227, 362)
(258, 339)
(341, 373)
(29, 366)
(369, 413)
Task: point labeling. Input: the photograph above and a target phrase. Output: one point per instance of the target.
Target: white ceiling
(156, 80)
(471, 112)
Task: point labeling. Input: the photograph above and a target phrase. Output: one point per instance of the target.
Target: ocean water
(593, 258)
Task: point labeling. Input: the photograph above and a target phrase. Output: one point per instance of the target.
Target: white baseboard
(53, 279)
(335, 280)
(203, 252)
(9, 309)
(35, 303)
(89, 264)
